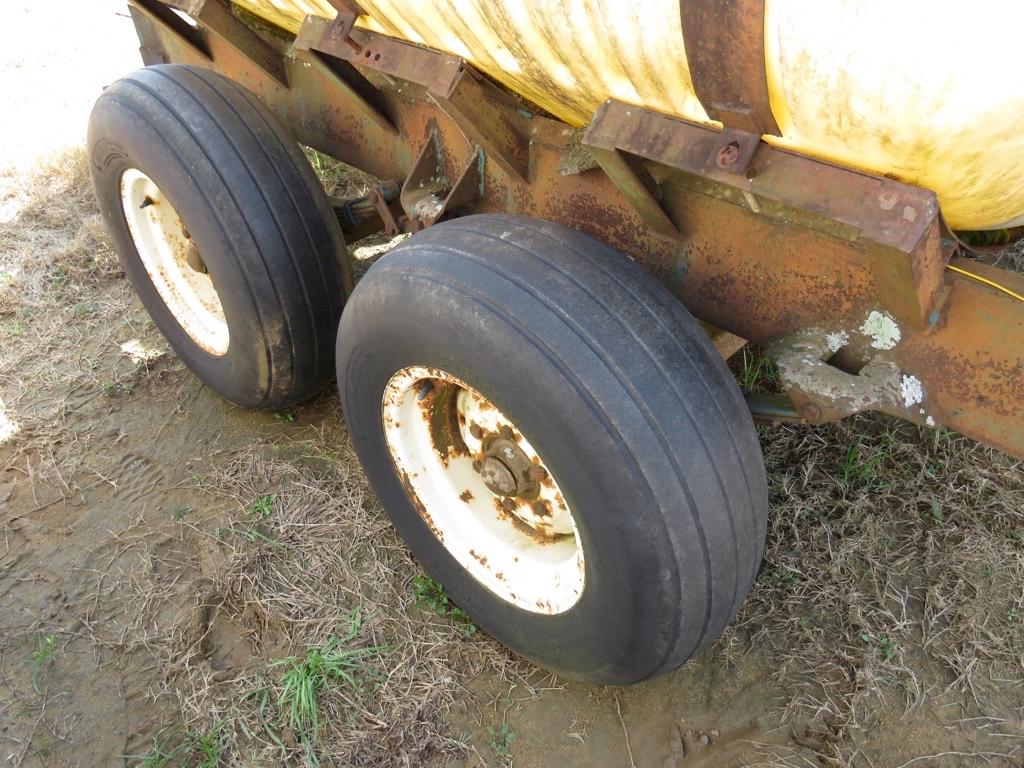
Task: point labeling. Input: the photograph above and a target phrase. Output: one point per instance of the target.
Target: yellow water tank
(927, 92)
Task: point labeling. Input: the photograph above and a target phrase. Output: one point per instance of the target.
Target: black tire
(254, 210)
(618, 388)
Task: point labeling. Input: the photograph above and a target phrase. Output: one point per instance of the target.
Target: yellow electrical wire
(986, 281)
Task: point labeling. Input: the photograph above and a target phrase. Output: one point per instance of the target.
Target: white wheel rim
(166, 249)
(528, 551)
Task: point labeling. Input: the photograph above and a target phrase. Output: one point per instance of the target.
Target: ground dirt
(166, 557)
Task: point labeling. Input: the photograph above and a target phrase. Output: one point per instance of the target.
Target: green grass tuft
(324, 666)
(46, 647)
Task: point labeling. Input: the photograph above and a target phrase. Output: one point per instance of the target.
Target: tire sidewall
(240, 375)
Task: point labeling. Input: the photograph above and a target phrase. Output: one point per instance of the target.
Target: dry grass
(70, 330)
(314, 547)
(894, 572)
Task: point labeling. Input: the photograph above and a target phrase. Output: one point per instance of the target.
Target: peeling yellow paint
(927, 93)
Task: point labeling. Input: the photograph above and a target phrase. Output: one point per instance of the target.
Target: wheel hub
(505, 468)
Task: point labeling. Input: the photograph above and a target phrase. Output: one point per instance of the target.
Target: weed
(330, 663)
(500, 739)
(263, 506)
(430, 594)
(862, 472)
(462, 620)
(319, 451)
(45, 648)
(884, 645)
(116, 388)
(204, 749)
(758, 373)
(259, 510)
(196, 750)
(157, 757)
(287, 418)
(179, 513)
(57, 277)
(936, 511)
(784, 578)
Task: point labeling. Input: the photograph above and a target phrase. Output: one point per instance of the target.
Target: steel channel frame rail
(776, 247)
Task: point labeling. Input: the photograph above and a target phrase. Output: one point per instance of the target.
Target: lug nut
(507, 433)
(508, 505)
(475, 431)
(538, 473)
(477, 465)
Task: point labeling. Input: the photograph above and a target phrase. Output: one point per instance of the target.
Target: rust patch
(415, 499)
(482, 559)
(438, 404)
(466, 496)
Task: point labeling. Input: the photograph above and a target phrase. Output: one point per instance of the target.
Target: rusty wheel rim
(172, 262)
(484, 490)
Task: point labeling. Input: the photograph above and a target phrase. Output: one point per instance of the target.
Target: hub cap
(172, 262)
(483, 490)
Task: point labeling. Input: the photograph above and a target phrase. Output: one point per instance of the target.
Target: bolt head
(508, 505)
(475, 431)
(477, 465)
(729, 154)
(506, 432)
(538, 473)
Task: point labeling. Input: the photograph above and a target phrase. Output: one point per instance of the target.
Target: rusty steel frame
(841, 274)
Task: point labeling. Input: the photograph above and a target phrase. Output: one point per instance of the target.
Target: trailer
(535, 380)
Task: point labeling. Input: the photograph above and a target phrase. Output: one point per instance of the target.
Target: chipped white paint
(8, 426)
(139, 352)
(882, 330)
(911, 391)
(837, 341)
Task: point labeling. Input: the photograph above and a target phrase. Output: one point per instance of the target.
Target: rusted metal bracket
(725, 49)
(461, 92)
(427, 194)
(638, 186)
(382, 196)
(899, 221)
(216, 16)
(151, 49)
(345, 20)
(354, 98)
